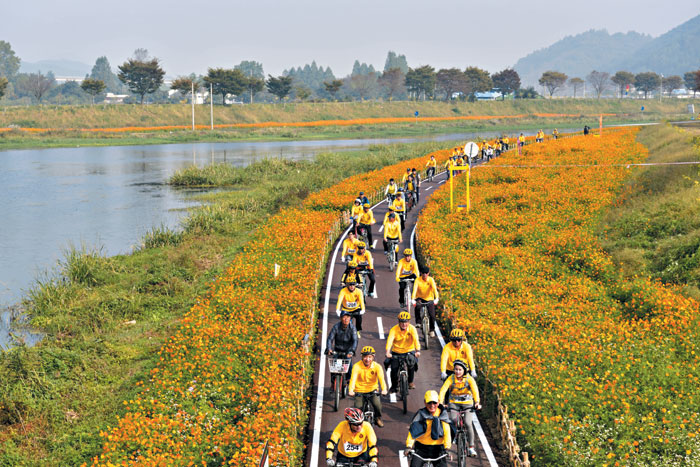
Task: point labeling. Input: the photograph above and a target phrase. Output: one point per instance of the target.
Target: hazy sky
(191, 36)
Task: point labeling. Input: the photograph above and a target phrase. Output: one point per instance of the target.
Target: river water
(107, 198)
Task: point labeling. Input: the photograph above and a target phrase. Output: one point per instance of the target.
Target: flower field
(234, 373)
(314, 123)
(595, 369)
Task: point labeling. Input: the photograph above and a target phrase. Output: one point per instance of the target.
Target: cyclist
(365, 262)
(343, 339)
(448, 165)
(349, 246)
(350, 274)
(521, 140)
(425, 291)
(405, 176)
(366, 220)
(430, 432)
(463, 393)
(392, 230)
(367, 376)
(352, 302)
(505, 143)
(416, 183)
(390, 211)
(363, 199)
(457, 349)
(410, 190)
(391, 189)
(431, 165)
(355, 440)
(406, 269)
(555, 133)
(399, 206)
(402, 340)
(355, 213)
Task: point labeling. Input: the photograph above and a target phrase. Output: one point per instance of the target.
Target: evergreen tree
(226, 81)
(251, 69)
(280, 86)
(92, 87)
(395, 61)
(361, 69)
(622, 79)
(3, 85)
(9, 62)
(102, 71)
(142, 77)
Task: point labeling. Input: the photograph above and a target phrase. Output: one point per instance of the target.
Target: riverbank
(137, 125)
(106, 317)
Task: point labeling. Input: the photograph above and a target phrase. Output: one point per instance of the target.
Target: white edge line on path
(316, 440)
(431, 186)
(477, 425)
(381, 228)
(380, 327)
(402, 459)
(374, 244)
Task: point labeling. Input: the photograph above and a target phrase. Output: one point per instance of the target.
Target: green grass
(655, 226)
(66, 117)
(105, 318)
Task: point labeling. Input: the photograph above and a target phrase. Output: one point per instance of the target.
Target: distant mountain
(58, 67)
(674, 52)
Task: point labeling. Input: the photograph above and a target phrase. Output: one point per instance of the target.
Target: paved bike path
(380, 317)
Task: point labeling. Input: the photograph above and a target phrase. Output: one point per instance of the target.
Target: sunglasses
(431, 403)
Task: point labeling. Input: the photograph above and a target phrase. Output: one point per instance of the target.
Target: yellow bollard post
(452, 176)
(469, 174)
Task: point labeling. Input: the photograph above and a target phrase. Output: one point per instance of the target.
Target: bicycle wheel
(407, 296)
(461, 449)
(336, 392)
(426, 327)
(403, 386)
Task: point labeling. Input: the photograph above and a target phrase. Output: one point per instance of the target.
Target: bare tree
(575, 83)
(37, 85)
(600, 80)
(392, 80)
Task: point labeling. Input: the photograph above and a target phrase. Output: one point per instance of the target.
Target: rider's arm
(353, 338)
(390, 339)
(447, 443)
(443, 390)
(414, 333)
(333, 441)
(398, 270)
(331, 336)
(380, 375)
(434, 285)
(361, 299)
(370, 259)
(353, 377)
(371, 437)
(474, 388)
(470, 356)
(443, 358)
(341, 296)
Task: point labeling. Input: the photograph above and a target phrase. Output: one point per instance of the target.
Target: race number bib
(351, 304)
(352, 448)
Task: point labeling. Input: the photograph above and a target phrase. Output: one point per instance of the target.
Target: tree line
(622, 82)
(142, 75)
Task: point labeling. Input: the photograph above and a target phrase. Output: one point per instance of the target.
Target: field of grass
(655, 226)
(68, 120)
(106, 317)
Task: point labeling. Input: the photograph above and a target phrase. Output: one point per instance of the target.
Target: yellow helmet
(431, 396)
(361, 245)
(456, 334)
(368, 350)
(352, 264)
(407, 252)
(404, 316)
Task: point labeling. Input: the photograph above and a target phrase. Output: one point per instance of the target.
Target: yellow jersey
(406, 268)
(367, 378)
(393, 229)
(350, 301)
(364, 259)
(450, 353)
(426, 438)
(426, 290)
(352, 444)
(400, 341)
(462, 391)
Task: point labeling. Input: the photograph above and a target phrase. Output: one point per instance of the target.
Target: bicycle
(392, 245)
(427, 462)
(407, 291)
(423, 318)
(363, 277)
(402, 379)
(390, 198)
(431, 174)
(461, 434)
(362, 235)
(351, 464)
(367, 406)
(338, 368)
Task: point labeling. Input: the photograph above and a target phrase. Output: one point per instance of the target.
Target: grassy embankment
(655, 227)
(66, 119)
(106, 318)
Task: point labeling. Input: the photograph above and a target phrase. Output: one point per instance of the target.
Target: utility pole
(192, 105)
(661, 87)
(211, 105)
